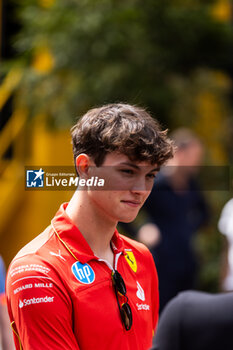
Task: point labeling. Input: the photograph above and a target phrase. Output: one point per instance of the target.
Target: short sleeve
(39, 307)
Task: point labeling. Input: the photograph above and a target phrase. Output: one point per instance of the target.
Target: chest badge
(130, 258)
(83, 272)
(140, 292)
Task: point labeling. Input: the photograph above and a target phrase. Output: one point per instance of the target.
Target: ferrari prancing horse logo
(130, 258)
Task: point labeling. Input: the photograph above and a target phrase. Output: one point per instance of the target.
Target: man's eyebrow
(156, 169)
(130, 164)
(137, 167)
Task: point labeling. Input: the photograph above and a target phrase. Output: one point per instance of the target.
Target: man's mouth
(132, 203)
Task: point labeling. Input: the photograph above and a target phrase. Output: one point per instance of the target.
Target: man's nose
(139, 185)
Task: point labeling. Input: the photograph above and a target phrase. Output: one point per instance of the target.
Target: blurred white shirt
(225, 226)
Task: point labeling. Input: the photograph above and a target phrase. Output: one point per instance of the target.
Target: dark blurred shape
(196, 321)
(9, 27)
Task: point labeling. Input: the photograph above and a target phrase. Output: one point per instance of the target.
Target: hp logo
(83, 272)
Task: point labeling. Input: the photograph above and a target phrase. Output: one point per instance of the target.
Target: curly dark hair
(121, 128)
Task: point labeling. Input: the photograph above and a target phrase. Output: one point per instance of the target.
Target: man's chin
(128, 220)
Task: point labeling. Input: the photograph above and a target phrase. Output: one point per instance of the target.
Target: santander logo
(34, 300)
(140, 292)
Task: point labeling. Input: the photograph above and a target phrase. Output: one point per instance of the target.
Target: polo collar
(74, 240)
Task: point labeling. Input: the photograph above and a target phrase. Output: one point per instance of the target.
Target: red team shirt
(61, 296)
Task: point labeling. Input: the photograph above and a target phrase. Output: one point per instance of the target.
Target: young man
(79, 284)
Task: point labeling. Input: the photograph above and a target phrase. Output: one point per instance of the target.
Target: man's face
(127, 186)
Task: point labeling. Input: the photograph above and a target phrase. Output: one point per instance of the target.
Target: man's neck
(93, 225)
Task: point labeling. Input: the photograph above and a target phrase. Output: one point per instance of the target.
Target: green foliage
(107, 51)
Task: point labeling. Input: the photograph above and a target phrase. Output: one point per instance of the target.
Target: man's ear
(83, 164)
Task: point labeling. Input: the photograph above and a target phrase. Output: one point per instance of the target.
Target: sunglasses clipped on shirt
(120, 291)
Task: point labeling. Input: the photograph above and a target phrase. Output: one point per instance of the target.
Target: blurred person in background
(176, 209)
(6, 337)
(196, 321)
(225, 226)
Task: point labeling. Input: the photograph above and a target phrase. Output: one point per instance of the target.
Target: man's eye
(127, 171)
(151, 176)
